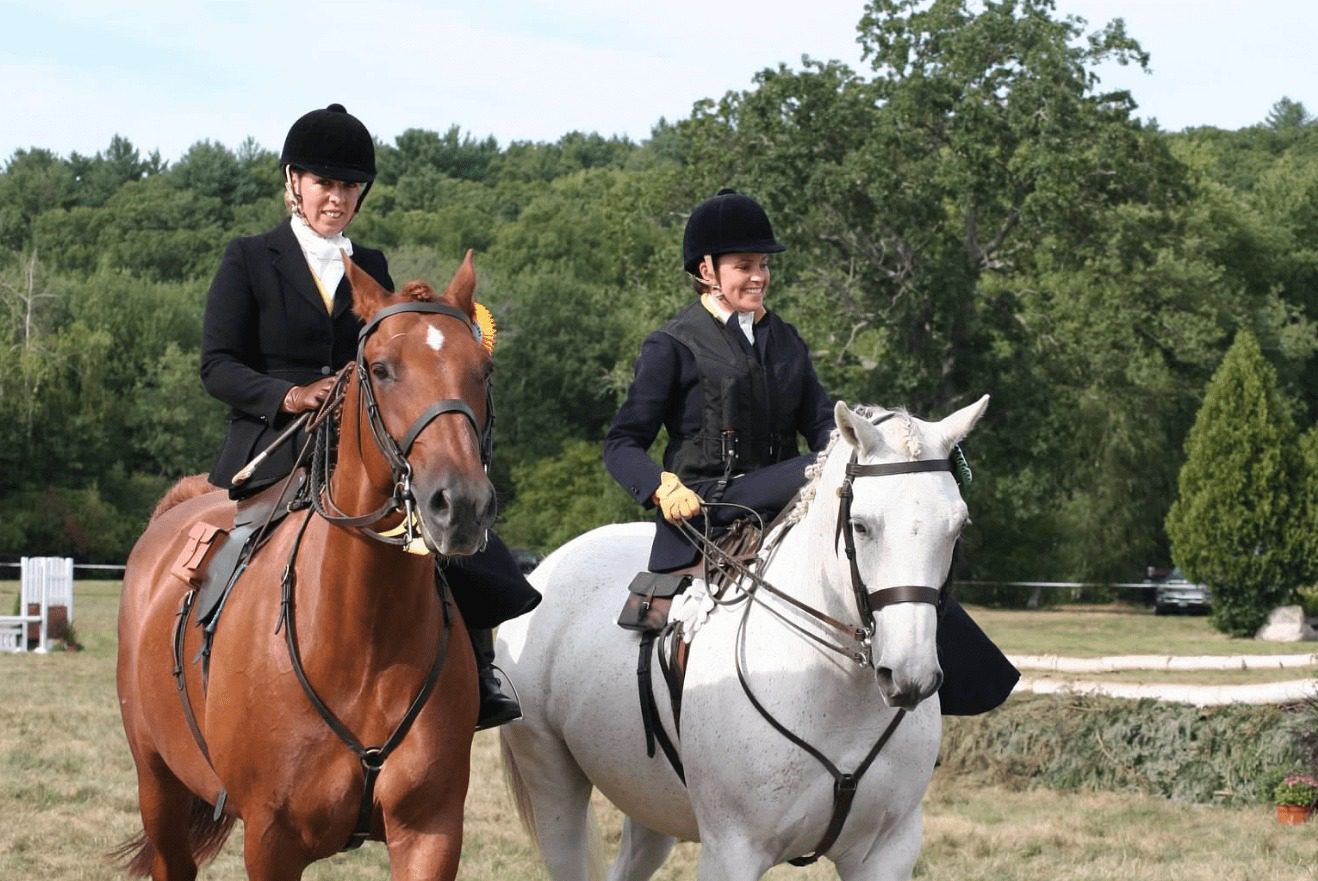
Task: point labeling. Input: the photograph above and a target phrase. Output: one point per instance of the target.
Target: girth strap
(654, 726)
(180, 674)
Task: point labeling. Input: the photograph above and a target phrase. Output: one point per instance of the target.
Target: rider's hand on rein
(308, 397)
(677, 501)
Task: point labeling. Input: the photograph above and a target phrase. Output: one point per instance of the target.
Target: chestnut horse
(339, 666)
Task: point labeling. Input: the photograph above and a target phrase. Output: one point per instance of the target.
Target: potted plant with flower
(1295, 797)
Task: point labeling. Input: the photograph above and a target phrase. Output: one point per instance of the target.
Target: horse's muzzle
(905, 692)
(457, 511)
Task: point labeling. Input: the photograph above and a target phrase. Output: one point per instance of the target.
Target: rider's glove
(309, 396)
(675, 499)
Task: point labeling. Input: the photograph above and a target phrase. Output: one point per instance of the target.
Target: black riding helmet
(730, 222)
(331, 143)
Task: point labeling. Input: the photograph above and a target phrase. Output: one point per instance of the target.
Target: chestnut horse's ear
(461, 290)
(367, 293)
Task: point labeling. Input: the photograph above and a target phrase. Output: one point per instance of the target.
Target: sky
(166, 74)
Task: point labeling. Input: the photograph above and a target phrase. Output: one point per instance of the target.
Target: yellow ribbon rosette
(486, 330)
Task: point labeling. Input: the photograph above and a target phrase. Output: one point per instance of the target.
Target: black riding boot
(497, 708)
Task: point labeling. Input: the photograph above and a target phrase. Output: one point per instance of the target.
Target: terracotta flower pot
(1294, 815)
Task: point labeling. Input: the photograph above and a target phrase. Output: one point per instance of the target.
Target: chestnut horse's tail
(187, 488)
(206, 836)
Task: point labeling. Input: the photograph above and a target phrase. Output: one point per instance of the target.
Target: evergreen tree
(1234, 525)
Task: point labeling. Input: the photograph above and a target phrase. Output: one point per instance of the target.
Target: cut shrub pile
(1231, 754)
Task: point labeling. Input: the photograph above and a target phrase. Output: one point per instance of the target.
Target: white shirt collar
(745, 320)
(322, 252)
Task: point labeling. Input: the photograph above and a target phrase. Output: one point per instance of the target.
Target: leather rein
(867, 602)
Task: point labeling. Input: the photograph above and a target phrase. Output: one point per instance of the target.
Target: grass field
(67, 793)
(1096, 631)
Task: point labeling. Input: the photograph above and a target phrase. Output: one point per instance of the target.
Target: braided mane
(910, 441)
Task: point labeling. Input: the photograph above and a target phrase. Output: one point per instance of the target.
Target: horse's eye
(380, 370)
(859, 528)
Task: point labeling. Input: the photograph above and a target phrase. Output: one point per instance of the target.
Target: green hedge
(1195, 754)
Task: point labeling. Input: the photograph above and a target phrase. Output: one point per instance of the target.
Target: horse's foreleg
(641, 852)
(427, 856)
(271, 853)
(889, 858)
(731, 859)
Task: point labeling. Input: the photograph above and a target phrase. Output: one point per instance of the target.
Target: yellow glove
(675, 499)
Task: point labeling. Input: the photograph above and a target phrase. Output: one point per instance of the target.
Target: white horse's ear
(846, 422)
(955, 427)
(856, 430)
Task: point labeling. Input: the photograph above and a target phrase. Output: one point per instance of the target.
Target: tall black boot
(496, 708)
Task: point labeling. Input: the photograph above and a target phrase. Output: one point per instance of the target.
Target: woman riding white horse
(809, 724)
(732, 385)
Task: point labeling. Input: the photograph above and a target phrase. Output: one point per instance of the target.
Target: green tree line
(970, 212)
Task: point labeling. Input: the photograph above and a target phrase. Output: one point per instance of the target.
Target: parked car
(1174, 593)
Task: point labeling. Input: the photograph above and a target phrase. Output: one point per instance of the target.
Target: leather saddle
(216, 553)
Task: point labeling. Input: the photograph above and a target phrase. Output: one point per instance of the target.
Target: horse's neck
(804, 562)
(358, 584)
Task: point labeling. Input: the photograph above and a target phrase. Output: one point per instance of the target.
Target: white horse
(759, 790)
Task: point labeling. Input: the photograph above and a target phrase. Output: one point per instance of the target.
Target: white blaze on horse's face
(906, 527)
(435, 338)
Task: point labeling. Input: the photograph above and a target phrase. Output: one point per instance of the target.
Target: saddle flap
(271, 503)
(202, 541)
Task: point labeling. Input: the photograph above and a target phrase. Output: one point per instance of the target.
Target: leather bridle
(402, 498)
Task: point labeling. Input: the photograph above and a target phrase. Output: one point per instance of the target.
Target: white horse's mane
(910, 441)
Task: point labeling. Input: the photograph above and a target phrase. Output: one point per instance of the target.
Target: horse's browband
(413, 306)
(855, 470)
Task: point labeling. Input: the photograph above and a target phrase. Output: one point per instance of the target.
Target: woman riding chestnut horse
(279, 325)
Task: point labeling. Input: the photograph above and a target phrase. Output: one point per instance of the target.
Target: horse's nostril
(439, 502)
(884, 675)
